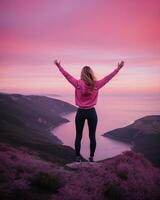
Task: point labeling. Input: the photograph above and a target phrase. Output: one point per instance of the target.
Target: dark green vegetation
(144, 135)
(27, 120)
(46, 182)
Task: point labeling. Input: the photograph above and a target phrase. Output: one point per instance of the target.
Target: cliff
(26, 121)
(143, 134)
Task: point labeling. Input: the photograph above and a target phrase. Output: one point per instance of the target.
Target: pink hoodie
(85, 97)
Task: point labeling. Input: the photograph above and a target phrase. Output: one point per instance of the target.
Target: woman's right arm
(68, 76)
(107, 78)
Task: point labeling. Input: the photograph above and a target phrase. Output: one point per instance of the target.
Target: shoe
(91, 159)
(78, 159)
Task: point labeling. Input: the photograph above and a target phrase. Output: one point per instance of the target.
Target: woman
(86, 94)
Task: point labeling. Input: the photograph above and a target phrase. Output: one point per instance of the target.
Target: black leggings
(91, 116)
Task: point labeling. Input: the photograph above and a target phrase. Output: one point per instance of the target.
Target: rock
(77, 165)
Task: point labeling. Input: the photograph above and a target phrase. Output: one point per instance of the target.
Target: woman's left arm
(68, 76)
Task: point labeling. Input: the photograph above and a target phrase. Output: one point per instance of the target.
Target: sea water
(113, 112)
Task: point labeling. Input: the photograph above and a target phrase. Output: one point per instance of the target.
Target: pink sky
(98, 33)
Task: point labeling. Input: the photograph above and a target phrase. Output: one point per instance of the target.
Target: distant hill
(143, 134)
(26, 121)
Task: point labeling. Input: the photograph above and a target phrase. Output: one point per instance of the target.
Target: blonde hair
(87, 75)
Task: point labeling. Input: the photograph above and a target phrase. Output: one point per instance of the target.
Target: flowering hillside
(128, 176)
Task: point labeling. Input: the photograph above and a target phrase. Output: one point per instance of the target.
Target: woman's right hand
(58, 64)
(120, 65)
